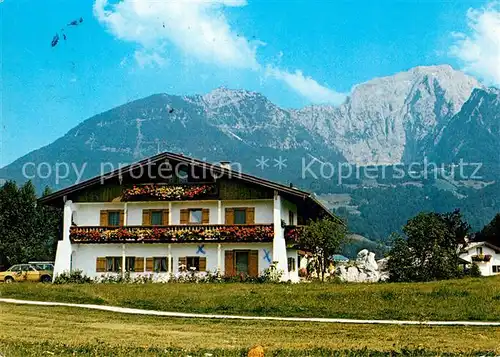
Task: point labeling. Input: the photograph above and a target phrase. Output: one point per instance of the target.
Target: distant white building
(485, 255)
(171, 213)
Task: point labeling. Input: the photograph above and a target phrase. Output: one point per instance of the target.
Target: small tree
(323, 238)
(430, 250)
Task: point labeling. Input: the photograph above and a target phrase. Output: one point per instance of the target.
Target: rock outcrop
(365, 269)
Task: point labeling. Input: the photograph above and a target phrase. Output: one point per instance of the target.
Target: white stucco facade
(487, 268)
(83, 256)
(87, 214)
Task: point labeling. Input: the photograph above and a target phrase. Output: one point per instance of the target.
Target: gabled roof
(482, 244)
(58, 196)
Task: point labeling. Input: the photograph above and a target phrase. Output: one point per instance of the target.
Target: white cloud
(307, 87)
(201, 31)
(152, 59)
(479, 49)
(197, 27)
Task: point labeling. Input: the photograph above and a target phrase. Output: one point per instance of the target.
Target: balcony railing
(293, 235)
(481, 258)
(170, 192)
(174, 233)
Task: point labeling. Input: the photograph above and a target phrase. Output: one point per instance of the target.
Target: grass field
(61, 331)
(466, 299)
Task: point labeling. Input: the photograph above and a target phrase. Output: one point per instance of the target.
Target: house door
(241, 260)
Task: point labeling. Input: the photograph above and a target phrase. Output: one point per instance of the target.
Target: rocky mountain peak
(222, 97)
(394, 118)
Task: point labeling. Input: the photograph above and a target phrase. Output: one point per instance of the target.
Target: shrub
(474, 271)
(73, 277)
(272, 274)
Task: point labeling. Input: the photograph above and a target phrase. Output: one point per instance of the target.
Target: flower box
(481, 258)
(167, 192)
(253, 233)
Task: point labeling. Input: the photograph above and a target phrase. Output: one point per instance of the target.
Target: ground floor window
(160, 265)
(291, 264)
(193, 263)
(496, 268)
(241, 262)
(130, 263)
(113, 264)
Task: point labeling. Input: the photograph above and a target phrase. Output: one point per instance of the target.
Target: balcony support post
(123, 260)
(169, 263)
(219, 258)
(279, 245)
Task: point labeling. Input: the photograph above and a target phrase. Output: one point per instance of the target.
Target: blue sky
(294, 52)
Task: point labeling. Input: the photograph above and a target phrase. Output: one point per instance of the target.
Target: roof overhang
(58, 198)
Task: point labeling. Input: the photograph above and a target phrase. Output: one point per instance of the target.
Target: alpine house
(171, 213)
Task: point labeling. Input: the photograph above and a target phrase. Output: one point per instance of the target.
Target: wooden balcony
(170, 192)
(173, 233)
(293, 235)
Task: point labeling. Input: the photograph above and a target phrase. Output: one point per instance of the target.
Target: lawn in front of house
(465, 299)
(62, 331)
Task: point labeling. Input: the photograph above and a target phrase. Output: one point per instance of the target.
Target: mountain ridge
(433, 112)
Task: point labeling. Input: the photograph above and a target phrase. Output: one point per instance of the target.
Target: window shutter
(100, 265)
(122, 218)
(149, 264)
(165, 217)
(139, 264)
(250, 215)
(205, 216)
(253, 263)
(229, 215)
(146, 217)
(203, 264)
(229, 263)
(184, 216)
(103, 218)
(182, 261)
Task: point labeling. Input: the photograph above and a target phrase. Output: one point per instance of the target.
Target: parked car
(25, 272)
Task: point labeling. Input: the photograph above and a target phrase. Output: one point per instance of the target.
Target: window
(496, 268)
(182, 175)
(113, 218)
(193, 263)
(130, 263)
(195, 216)
(157, 218)
(15, 268)
(291, 264)
(113, 264)
(291, 218)
(160, 264)
(240, 216)
(241, 260)
(479, 250)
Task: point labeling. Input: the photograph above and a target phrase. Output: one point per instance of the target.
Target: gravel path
(125, 310)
